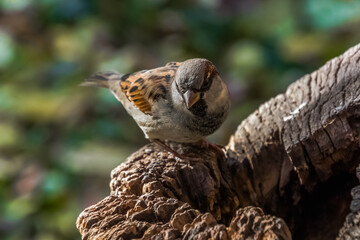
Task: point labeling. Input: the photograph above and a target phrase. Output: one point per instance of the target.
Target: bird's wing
(145, 87)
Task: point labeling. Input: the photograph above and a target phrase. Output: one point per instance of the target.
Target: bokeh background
(59, 141)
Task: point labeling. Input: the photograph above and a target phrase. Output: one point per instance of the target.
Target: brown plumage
(141, 88)
(181, 101)
(144, 87)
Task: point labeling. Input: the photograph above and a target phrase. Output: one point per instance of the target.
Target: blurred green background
(59, 142)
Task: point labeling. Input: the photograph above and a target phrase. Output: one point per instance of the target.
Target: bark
(351, 227)
(294, 159)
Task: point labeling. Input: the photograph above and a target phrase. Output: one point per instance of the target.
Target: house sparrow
(181, 101)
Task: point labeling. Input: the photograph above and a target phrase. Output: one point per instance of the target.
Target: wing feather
(145, 87)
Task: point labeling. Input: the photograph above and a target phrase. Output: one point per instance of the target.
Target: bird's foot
(177, 155)
(218, 149)
(167, 148)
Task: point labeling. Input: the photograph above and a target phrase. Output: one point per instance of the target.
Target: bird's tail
(101, 79)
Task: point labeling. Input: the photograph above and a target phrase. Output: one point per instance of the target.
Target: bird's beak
(191, 98)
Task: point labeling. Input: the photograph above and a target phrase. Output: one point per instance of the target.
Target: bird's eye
(206, 83)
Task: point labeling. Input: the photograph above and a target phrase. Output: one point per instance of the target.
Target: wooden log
(294, 159)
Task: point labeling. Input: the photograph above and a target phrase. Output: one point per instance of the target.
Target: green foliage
(59, 141)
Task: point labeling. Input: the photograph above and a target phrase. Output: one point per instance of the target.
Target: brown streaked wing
(145, 87)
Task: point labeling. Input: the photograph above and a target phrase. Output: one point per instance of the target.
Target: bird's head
(195, 79)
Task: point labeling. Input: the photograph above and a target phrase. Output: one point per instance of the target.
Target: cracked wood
(297, 151)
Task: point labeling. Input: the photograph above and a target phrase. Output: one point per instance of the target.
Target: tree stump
(286, 173)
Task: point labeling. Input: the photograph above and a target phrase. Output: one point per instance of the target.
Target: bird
(181, 102)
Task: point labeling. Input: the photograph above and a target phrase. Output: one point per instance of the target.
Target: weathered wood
(351, 227)
(294, 157)
(311, 130)
(155, 196)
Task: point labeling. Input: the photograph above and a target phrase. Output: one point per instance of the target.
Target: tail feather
(101, 79)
